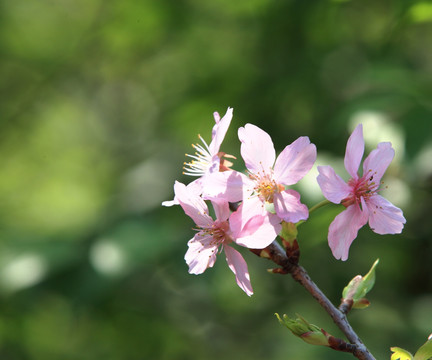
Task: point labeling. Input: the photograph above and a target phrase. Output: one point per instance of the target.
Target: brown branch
(278, 255)
(346, 306)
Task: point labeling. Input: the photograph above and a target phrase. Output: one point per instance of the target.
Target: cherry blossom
(359, 195)
(269, 176)
(240, 227)
(208, 158)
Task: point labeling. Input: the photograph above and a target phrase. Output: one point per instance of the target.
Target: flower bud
(358, 287)
(301, 328)
(289, 233)
(425, 351)
(264, 253)
(400, 354)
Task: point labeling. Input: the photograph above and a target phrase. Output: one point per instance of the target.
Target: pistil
(364, 188)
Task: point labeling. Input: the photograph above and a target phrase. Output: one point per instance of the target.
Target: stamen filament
(201, 160)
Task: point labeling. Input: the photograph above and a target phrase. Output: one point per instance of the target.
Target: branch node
(346, 305)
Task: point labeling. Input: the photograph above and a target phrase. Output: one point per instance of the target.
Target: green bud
(301, 328)
(425, 351)
(288, 233)
(358, 287)
(400, 354)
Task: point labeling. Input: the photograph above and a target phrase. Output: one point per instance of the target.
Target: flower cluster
(250, 209)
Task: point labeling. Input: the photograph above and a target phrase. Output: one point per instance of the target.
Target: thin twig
(278, 255)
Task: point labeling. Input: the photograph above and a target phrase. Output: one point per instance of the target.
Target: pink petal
(378, 161)
(169, 203)
(192, 204)
(332, 185)
(219, 130)
(216, 118)
(201, 253)
(263, 236)
(221, 209)
(344, 228)
(256, 149)
(294, 162)
(230, 186)
(354, 151)
(253, 208)
(194, 187)
(384, 217)
(252, 226)
(239, 267)
(288, 206)
(214, 165)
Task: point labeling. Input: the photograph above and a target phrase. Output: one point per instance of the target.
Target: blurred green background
(99, 102)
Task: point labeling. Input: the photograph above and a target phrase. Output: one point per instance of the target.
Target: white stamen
(201, 160)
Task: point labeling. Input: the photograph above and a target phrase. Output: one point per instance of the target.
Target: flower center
(363, 187)
(266, 187)
(219, 231)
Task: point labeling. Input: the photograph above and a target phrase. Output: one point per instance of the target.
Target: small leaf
(425, 351)
(362, 303)
(306, 331)
(369, 278)
(359, 286)
(352, 288)
(400, 354)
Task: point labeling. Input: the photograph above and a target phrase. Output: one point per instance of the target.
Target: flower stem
(277, 255)
(313, 208)
(319, 205)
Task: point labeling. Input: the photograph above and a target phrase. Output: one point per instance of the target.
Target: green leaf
(359, 286)
(289, 231)
(425, 351)
(369, 278)
(363, 303)
(306, 331)
(352, 288)
(400, 354)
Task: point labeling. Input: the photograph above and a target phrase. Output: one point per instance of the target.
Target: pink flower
(359, 195)
(254, 232)
(268, 177)
(207, 158)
